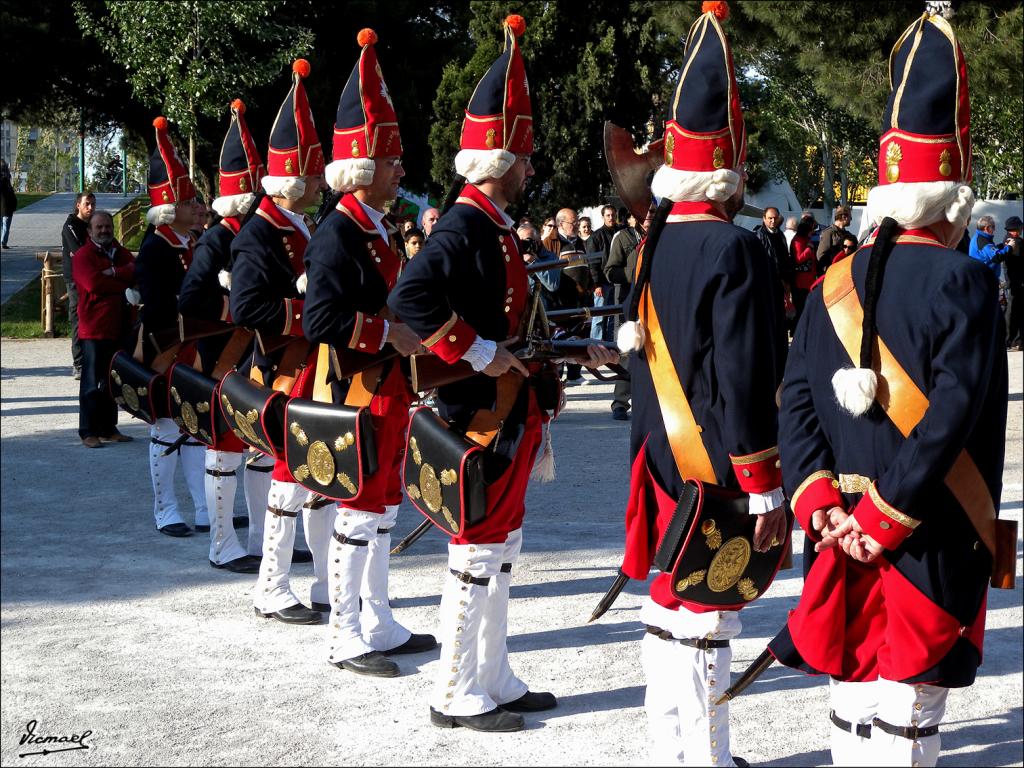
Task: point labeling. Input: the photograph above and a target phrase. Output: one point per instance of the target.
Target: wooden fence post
(48, 290)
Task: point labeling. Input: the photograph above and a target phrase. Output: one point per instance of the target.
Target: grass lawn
(26, 199)
(19, 316)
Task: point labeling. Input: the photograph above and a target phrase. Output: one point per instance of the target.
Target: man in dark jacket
(831, 242)
(8, 203)
(103, 270)
(72, 237)
(575, 283)
(600, 242)
(1013, 280)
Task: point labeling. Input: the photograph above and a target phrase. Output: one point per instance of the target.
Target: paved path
(36, 228)
(110, 627)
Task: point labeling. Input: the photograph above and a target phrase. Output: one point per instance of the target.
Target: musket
(583, 313)
(413, 537)
(187, 329)
(551, 264)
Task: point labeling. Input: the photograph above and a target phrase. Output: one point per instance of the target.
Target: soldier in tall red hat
(267, 284)
(462, 294)
(352, 263)
(892, 423)
(704, 385)
(164, 258)
(204, 295)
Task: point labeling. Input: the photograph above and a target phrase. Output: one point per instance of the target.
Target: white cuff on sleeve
(760, 503)
(384, 338)
(480, 353)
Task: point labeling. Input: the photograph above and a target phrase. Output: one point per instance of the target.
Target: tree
(191, 58)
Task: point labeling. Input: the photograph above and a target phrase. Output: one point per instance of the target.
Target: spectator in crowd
(600, 244)
(414, 240)
(831, 241)
(575, 286)
(847, 248)
(103, 269)
(1013, 283)
(804, 263)
(620, 270)
(774, 242)
(73, 235)
(815, 236)
(586, 230)
(547, 229)
(533, 250)
(8, 203)
(428, 220)
(983, 247)
(790, 230)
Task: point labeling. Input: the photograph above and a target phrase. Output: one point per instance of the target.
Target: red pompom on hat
(167, 180)
(160, 123)
(366, 37)
(516, 23)
(301, 67)
(239, 106)
(717, 7)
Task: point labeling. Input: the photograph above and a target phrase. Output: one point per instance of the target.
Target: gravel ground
(109, 627)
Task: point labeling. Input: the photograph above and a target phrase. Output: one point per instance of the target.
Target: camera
(528, 246)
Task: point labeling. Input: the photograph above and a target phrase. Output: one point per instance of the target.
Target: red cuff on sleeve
(758, 472)
(451, 340)
(882, 521)
(292, 317)
(820, 490)
(368, 334)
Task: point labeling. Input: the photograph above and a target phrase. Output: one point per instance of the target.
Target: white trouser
(273, 590)
(495, 675)
(221, 483)
(348, 564)
(193, 464)
(258, 468)
(379, 628)
(459, 690)
(161, 471)
(683, 683)
(898, 704)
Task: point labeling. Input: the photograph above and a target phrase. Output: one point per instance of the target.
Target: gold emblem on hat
(289, 166)
(670, 146)
(355, 148)
(945, 167)
(718, 158)
(489, 141)
(893, 155)
(243, 185)
(728, 564)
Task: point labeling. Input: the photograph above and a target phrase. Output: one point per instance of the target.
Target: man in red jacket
(102, 270)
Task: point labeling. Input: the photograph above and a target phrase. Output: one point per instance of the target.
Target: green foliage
(20, 315)
(48, 157)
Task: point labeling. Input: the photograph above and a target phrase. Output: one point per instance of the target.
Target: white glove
(133, 296)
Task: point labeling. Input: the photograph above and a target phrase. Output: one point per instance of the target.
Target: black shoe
(244, 564)
(178, 530)
(740, 762)
(372, 664)
(293, 614)
(495, 721)
(619, 414)
(302, 556)
(202, 528)
(415, 644)
(322, 607)
(240, 522)
(532, 702)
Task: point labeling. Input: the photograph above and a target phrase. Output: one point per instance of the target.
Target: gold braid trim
(440, 332)
(889, 510)
(754, 458)
(810, 479)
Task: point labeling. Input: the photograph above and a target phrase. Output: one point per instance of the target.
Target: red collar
(269, 211)
(702, 209)
(351, 207)
(471, 195)
(232, 224)
(167, 234)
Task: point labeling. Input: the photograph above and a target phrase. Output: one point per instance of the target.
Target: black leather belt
(219, 473)
(911, 732)
(700, 643)
(481, 581)
(193, 444)
(323, 501)
(281, 512)
(382, 531)
(861, 729)
(258, 468)
(341, 538)
(154, 441)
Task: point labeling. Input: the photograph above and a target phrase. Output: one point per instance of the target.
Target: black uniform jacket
(469, 280)
(712, 287)
(938, 314)
(160, 269)
(350, 269)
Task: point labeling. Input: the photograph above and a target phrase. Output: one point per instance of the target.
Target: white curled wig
(288, 187)
(350, 174)
(918, 204)
(694, 186)
(161, 214)
(233, 205)
(478, 165)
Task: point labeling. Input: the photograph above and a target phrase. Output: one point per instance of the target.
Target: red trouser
(505, 496)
